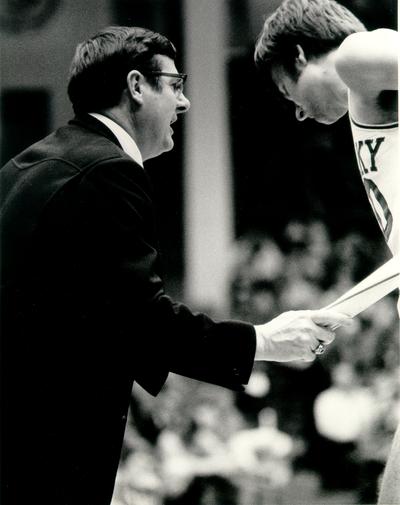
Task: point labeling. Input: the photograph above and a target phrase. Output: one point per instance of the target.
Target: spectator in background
(196, 463)
(139, 477)
(263, 459)
(341, 413)
(375, 440)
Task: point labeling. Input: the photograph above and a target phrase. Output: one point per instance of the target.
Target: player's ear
(135, 81)
(301, 60)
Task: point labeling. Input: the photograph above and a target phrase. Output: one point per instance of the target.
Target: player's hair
(101, 64)
(318, 26)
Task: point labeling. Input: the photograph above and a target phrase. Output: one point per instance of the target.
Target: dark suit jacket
(84, 315)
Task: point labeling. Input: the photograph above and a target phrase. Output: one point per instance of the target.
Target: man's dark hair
(101, 64)
(318, 26)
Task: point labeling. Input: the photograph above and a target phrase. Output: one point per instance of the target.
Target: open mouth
(171, 123)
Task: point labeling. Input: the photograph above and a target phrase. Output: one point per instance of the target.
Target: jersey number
(380, 207)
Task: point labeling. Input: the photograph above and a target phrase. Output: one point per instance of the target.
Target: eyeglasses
(177, 86)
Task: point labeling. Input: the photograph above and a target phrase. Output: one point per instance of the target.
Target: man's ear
(134, 81)
(300, 61)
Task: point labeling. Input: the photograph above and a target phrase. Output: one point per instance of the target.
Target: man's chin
(169, 145)
(327, 120)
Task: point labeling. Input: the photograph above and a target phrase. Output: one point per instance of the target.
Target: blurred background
(257, 214)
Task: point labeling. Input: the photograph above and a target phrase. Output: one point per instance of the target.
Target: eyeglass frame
(181, 76)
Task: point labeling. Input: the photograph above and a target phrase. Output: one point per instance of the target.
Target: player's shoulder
(368, 46)
(382, 35)
(367, 62)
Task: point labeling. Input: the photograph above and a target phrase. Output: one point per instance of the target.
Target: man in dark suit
(84, 313)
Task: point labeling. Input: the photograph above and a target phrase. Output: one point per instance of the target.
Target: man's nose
(301, 115)
(183, 104)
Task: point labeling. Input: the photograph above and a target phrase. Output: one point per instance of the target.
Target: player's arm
(367, 62)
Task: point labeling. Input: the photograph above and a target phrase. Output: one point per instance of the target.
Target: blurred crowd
(332, 419)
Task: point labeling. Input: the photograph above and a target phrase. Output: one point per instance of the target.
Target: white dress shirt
(126, 141)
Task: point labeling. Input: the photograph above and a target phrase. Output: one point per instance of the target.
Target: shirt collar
(126, 141)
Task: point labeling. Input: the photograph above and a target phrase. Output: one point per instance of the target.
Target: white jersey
(377, 151)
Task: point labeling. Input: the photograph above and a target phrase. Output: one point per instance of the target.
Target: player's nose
(301, 115)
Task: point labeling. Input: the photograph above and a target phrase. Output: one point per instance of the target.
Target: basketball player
(320, 57)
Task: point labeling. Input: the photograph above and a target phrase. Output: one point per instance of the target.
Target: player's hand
(295, 335)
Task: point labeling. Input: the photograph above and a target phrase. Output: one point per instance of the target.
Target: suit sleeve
(118, 226)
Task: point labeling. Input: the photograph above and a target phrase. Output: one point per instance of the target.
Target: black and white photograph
(199, 252)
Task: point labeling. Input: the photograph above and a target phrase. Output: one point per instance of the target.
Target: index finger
(324, 334)
(330, 318)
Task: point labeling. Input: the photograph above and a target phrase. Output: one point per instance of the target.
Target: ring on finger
(320, 349)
